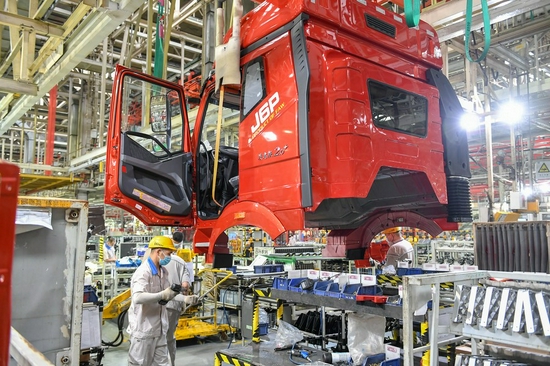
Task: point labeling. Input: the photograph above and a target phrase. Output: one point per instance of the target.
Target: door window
(253, 86)
(154, 111)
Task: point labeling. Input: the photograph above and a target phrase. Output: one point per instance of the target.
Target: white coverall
(108, 252)
(398, 252)
(177, 273)
(148, 322)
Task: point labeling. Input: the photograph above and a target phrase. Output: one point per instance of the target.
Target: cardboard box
(368, 280)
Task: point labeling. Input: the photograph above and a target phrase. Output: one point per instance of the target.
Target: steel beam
(86, 37)
(13, 54)
(14, 40)
(19, 87)
(48, 29)
(191, 8)
(448, 19)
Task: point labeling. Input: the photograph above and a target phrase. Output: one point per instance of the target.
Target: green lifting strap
(412, 12)
(159, 45)
(486, 29)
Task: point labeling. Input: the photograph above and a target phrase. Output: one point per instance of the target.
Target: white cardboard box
(392, 352)
(368, 280)
(354, 278)
(297, 273)
(429, 266)
(442, 267)
(312, 274)
(456, 268)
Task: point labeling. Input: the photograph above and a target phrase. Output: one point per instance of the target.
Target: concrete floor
(189, 352)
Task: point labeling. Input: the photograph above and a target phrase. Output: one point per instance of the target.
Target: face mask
(164, 261)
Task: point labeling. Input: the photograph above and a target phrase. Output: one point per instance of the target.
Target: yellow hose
(217, 148)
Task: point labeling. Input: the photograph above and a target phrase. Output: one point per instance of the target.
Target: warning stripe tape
(231, 360)
(263, 292)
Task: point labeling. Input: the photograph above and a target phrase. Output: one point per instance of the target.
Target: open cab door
(149, 160)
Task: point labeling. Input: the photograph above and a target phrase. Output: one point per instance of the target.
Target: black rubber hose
(510, 249)
(503, 248)
(490, 249)
(537, 248)
(517, 249)
(532, 248)
(544, 249)
(120, 337)
(500, 250)
(524, 243)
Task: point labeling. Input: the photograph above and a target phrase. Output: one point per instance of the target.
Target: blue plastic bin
(380, 359)
(281, 283)
(369, 290)
(396, 362)
(349, 291)
(263, 329)
(294, 285)
(333, 290)
(320, 288)
(89, 294)
(409, 271)
(277, 268)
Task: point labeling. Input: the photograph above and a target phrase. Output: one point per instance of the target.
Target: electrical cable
(293, 361)
(120, 336)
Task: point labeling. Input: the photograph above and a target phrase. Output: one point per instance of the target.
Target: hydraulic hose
(120, 337)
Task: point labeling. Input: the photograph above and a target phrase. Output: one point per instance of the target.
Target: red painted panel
(9, 187)
(50, 133)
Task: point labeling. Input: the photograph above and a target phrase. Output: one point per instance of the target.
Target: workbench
(262, 354)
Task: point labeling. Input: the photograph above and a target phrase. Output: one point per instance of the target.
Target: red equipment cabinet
(9, 187)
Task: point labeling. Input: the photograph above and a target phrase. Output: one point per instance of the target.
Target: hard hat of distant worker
(162, 242)
(392, 230)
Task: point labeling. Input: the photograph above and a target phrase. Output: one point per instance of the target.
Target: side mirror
(160, 114)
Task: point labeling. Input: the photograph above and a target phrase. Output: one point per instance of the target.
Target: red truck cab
(343, 121)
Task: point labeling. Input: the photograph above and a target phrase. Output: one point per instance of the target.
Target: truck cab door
(149, 160)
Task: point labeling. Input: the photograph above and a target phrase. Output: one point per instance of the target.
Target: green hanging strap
(159, 45)
(486, 27)
(412, 12)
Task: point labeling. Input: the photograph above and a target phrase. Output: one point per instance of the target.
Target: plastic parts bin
(349, 291)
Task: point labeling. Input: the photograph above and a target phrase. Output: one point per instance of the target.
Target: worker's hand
(191, 299)
(167, 294)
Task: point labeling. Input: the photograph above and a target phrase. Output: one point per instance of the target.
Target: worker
(177, 273)
(400, 249)
(109, 254)
(147, 318)
(177, 238)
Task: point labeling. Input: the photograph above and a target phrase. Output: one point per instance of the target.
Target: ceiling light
(511, 112)
(469, 121)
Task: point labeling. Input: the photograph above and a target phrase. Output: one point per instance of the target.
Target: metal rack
(477, 322)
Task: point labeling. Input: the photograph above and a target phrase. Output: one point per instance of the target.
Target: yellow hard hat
(392, 230)
(162, 242)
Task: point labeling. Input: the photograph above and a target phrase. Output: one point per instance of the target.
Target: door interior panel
(162, 183)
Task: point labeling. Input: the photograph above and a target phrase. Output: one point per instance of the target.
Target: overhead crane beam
(38, 26)
(86, 36)
(448, 19)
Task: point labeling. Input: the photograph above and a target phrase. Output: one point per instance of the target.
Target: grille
(380, 25)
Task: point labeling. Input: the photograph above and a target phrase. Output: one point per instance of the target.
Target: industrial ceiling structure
(76, 44)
